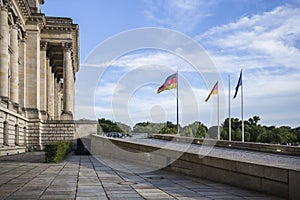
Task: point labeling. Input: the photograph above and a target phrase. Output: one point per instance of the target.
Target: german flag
(170, 83)
(213, 91)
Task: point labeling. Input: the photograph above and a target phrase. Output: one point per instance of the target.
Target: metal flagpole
(229, 112)
(242, 112)
(177, 105)
(218, 102)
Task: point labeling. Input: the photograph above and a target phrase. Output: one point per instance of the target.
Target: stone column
(56, 97)
(61, 102)
(14, 64)
(22, 73)
(43, 79)
(50, 91)
(73, 92)
(68, 82)
(4, 56)
(33, 71)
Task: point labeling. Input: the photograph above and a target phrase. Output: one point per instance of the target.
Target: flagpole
(242, 111)
(218, 104)
(177, 104)
(229, 117)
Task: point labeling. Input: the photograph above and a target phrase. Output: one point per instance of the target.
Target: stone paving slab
(261, 158)
(85, 178)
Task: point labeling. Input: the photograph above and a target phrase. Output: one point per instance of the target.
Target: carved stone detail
(24, 38)
(68, 46)
(43, 45)
(15, 26)
(6, 5)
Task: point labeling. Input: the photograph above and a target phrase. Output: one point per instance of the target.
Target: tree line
(254, 132)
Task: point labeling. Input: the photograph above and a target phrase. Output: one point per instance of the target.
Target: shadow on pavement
(28, 157)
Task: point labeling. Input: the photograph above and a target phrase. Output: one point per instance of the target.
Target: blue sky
(260, 36)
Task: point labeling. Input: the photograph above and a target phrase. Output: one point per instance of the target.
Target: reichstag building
(39, 59)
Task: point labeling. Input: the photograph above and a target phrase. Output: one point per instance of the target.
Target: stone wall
(58, 130)
(41, 133)
(13, 127)
(275, 180)
(84, 129)
(38, 54)
(20, 132)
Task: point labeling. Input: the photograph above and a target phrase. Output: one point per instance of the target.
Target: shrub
(57, 151)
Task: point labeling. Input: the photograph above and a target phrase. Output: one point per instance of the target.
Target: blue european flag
(238, 85)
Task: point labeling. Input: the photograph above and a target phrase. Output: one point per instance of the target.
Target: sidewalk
(24, 176)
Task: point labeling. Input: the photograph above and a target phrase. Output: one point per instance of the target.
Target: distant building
(38, 62)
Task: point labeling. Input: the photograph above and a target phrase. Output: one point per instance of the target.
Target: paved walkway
(24, 176)
(261, 158)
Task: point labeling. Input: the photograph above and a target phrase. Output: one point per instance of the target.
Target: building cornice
(25, 9)
(60, 24)
(37, 19)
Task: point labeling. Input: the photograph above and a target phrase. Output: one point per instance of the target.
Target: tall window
(5, 133)
(25, 136)
(16, 134)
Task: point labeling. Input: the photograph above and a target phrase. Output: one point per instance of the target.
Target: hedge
(57, 151)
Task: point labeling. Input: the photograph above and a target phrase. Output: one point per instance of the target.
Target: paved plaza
(25, 176)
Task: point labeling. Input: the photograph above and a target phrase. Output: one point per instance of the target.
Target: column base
(44, 115)
(66, 115)
(4, 102)
(33, 113)
(16, 107)
(5, 99)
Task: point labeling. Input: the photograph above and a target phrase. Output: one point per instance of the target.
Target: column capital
(43, 45)
(23, 37)
(15, 26)
(18, 22)
(5, 5)
(68, 46)
(23, 40)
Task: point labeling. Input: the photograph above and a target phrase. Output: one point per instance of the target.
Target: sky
(129, 47)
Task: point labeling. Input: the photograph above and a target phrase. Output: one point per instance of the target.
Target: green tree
(280, 135)
(147, 127)
(296, 131)
(109, 126)
(168, 128)
(236, 129)
(196, 129)
(264, 136)
(201, 131)
(254, 132)
(252, 129)
(283, 135)
(126, 129)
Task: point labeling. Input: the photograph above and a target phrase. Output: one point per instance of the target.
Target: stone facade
(38, 62)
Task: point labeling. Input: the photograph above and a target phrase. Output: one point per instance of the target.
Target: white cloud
(268, 39)
(267, 47)
(182, 15)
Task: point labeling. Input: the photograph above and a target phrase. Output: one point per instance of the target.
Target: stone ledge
(6, 150)
(269, 148)
(278, 181)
